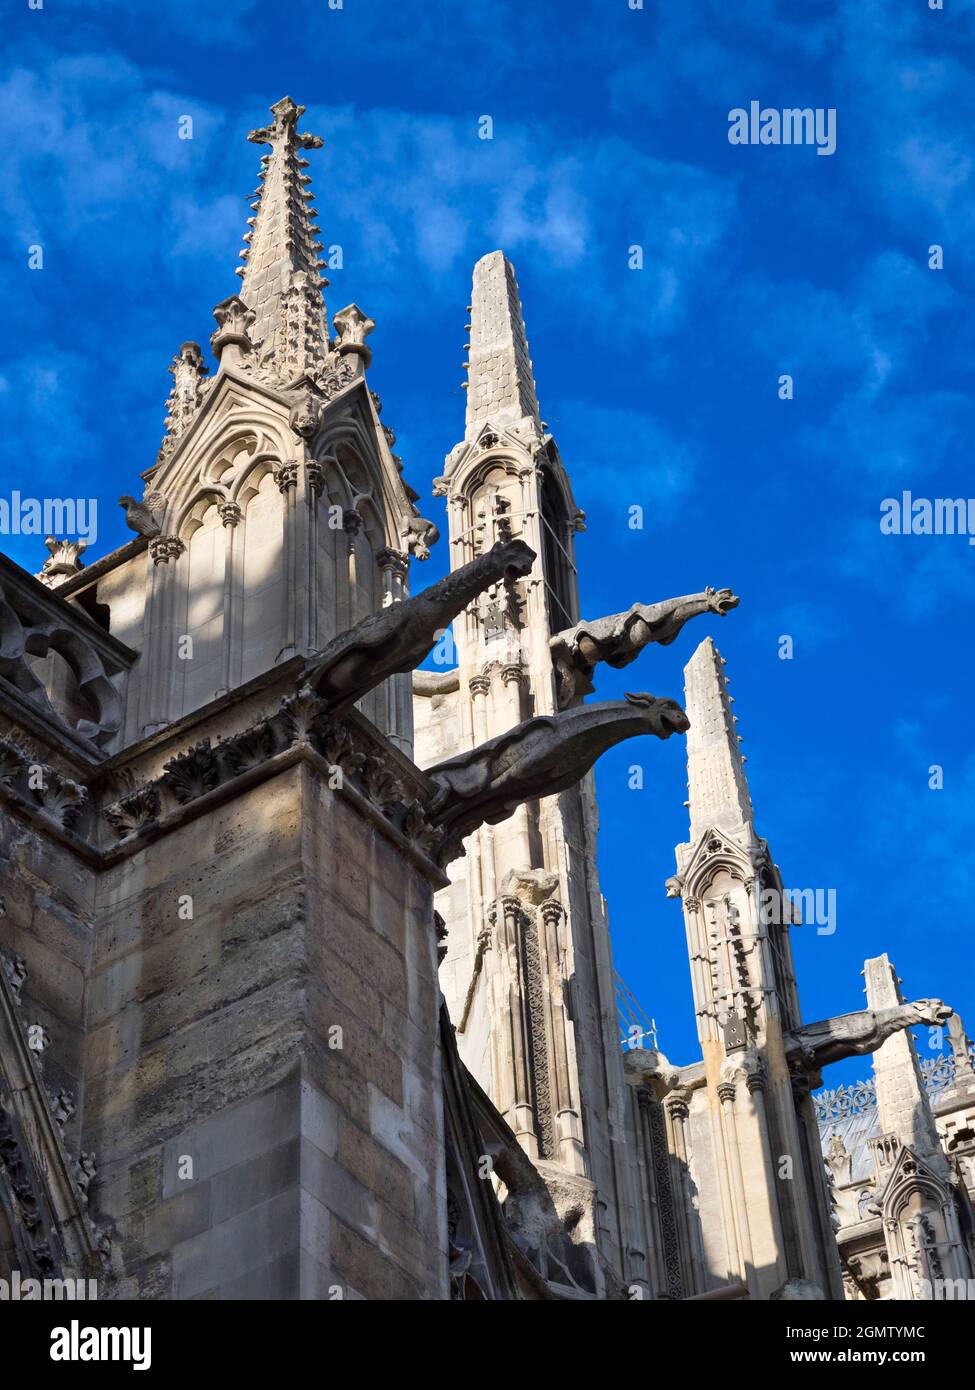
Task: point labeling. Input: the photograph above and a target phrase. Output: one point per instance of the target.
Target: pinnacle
(280, 262)
(717, 787)
(500, 379)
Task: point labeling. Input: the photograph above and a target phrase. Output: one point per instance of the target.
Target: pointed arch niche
(355, 577)
(203, 604)
(261, 573)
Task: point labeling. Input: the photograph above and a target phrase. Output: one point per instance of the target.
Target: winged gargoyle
(621, 637)
(139, 517)
(540, 757)
(398, 638)
(854, 1035)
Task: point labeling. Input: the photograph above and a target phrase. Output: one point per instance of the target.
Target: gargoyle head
(931, 1011)
(516, 557)
(664, 716)
(721, 600)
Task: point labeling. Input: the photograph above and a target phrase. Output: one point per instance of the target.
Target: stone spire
(282, 278)
(903, 1107)
(716, 787)
(500, 384)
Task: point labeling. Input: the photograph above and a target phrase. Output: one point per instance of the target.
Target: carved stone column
(286, 475)
(165, 589)
(677, 1112)
(352, 525)
(517, 831)
(394, 566)
(480, 687)
(568, 1123)
(649, 1174)
(820, 1253)
(230, 514)
(727, 1091)
(753, 1130)
(515, 1058)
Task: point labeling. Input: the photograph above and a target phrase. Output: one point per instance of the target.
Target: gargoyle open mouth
(521, 557)
(722, 600)
(670, 718)
(676, 719)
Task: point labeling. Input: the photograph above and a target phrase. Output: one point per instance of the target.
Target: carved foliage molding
(355, 757)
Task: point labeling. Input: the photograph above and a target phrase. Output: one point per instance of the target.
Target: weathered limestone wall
(246, 1147)
(47, 897)
(324, 1158)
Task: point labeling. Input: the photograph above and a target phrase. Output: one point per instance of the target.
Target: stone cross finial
(287, 114)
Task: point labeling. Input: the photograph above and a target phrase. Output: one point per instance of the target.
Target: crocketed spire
(282, 277)
(716, 786)
(500, 384)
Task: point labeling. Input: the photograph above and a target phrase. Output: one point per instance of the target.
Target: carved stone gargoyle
(540, 757)
(621, 637)
(854, 1035)
(398, 638)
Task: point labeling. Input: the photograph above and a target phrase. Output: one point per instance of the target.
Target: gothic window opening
(559, 571)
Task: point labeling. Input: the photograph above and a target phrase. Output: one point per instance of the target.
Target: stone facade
(900, 1161)
(298, 1004)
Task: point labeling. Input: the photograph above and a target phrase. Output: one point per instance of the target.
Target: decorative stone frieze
(303, 719)
(191, 773)
(133, 813)
(333, 383)
(251, 748)
(304, 716)
(59, 797)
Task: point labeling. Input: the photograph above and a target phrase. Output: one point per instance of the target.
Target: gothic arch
(353, 473)
(247, 484)
(260, 562)
(481, 466)
(190, 516)
(201, 609)
(709, 862)
(907, 1185)
(559, 567)
(229, 455)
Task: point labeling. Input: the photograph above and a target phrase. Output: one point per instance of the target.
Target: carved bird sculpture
(138, 517)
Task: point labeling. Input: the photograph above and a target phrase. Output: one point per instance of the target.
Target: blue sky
(661, 385)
